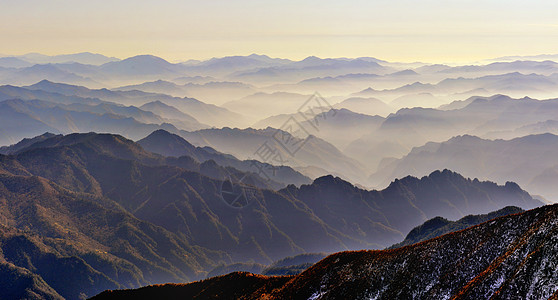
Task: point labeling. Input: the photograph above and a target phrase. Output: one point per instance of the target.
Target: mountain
(159, 86)
(508, 257)
(188, 204)
(139, 218)
(168, 144)
(285, 148)
(416, 100)
(51, 231)
(167, 111)
(89, 162)
(234, 286)
(35, 73)
(439, 226)
(226, 65)
(515, 84)
(21, 119)
(496, 117)
(325, 85)
(8, 92)
(340, 127)
(141, 66)
(82, 58)
(26, 142)
(97, 106)
(13, 62)
(17, 124)
(445, 89)
(368, 106)
(442, 193)
(545, 67)
(209, 91)
(218, 92)
(204, 113)
(309, 67)
(541, 57)
(287, 266)
(527, 160)
(193, 79)
(336, 126)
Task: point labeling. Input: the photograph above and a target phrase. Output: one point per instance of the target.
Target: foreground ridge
(514, 256)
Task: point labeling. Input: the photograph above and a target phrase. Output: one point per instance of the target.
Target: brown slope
(90, 240)
(237, 285)
(509, 257)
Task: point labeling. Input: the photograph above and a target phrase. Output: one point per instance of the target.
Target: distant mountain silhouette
(13, 62)
(141, 65)
(168, 144)
(33, 117)
(167, 111)
(368, 106)
(35, 73)
(498, 116)
(159, 86)
(205, 113)
(244, 143)
(528, 161)
(82, 58)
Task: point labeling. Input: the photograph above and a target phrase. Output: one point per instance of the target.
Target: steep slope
(439, 226)
(509, 257)
(26, 142)
(232, 286)
(20, 283)
(48, 231)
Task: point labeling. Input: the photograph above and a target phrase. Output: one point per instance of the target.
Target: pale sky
(396, 30)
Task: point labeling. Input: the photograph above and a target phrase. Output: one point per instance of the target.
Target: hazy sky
(426, 30)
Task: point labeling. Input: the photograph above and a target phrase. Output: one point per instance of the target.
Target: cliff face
(511, 257)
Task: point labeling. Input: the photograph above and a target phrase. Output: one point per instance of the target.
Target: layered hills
(129, 217)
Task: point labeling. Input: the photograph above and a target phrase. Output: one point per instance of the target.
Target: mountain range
(508, 257)
(122, 173)
(497, 116)
(131, 217)
(529, 161)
